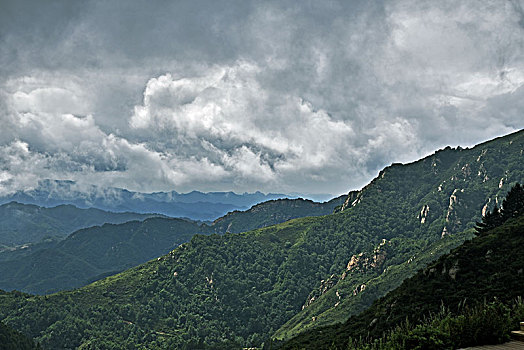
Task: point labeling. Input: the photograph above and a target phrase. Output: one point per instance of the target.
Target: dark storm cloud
(98, 34)
(244, 95)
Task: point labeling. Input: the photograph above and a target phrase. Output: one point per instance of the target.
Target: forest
(237, 290)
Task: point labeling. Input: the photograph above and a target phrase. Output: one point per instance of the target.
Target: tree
(491, 220)
(512, 207)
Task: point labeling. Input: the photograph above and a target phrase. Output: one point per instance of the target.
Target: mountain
(236, 290)
(489, 267)
(26, 223)
(452, 189)
(96, 252)
(274, 212)
(359, 285)
(89, 254)
(194, 205)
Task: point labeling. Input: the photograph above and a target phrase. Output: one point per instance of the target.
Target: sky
(276, 96)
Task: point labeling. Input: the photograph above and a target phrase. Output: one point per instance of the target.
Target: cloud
(50, 100)
(228, 118)
(272, 96)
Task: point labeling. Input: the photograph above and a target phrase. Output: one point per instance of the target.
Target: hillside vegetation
(236, 290)
(274, 212)
(91, 253)
(25, 223)
(358, 286)
(11, 340)
(96, 252)
(487, 268)
(450, 191)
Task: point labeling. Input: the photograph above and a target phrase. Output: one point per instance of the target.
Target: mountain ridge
(89, 253)
(235, 290)
(459, 178)
(484, 268)
(195, 205)
(29, 223)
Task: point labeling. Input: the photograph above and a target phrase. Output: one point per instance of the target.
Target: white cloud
(272, 96)
(50, 100)
(229, 119)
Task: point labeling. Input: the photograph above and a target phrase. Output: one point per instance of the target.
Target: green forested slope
(88, 254)
(273, 212)
(355, 290)
(486, 268)
(451, 189)
(13, 340)
(92, 253)
(26, 223)
(241, 288)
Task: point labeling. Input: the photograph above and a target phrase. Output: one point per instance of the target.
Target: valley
(92, 253)
(261, 175)
(271, 284)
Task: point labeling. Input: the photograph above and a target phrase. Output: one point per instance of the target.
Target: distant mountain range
(194, 205)
(96, 252)
(28, 223)
(239, 290)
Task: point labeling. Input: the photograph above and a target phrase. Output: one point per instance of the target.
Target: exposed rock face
(483, 173)
(368, 261)
(488, 255)
(482, 153)
(352, 199)
(434, 165)
(423, 214)
(361, 262)
(325, 285)
(453, 270)
(210, 280)
(466, 171)
(452, 201)
(355, 259)
(359, 289)
(485, 208)
(451, 217)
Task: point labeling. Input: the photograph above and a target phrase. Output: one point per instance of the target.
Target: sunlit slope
(92, 253)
